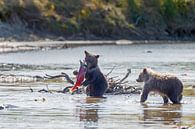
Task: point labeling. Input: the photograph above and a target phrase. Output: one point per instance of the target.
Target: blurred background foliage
(103, 18)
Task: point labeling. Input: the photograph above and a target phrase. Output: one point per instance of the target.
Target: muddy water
(26, 109)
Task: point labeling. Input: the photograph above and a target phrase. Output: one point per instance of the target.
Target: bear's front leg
(144, 94)
(90, 90)
(165, 99)
(85, 83)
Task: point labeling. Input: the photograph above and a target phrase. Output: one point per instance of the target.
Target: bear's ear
(86, 53)
(145, 70)
(97, 56)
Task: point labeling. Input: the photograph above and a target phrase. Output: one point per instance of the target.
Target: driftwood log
(115, 84)
(120, 86)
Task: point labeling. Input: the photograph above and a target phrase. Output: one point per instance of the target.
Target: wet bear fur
(167, 85)
(94, 79)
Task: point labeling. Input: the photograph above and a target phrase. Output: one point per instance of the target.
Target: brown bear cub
(168, 86)
(94, 79)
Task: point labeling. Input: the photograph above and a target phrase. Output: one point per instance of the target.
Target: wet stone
(1, 108)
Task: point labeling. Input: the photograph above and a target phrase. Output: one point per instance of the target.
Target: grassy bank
(104, 19)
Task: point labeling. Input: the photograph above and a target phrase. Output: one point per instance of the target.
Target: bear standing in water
(94, 79)
(168, 86)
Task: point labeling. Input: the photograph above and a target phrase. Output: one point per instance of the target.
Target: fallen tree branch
(110, 71)
(128, 72)
(68, 79)
(115, 84)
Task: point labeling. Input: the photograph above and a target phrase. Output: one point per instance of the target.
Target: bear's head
(91, 60)
(143, 76)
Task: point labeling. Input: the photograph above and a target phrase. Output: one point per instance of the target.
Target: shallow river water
(25, 109)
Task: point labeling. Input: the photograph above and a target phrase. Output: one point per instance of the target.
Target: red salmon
(80, 77)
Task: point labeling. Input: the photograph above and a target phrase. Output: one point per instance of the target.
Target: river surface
(33, 110)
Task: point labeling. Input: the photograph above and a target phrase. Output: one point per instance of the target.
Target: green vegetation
(116, 19)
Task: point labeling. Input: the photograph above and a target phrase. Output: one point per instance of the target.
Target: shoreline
(11, 47)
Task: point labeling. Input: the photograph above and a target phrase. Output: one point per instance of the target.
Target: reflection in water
(168, 114)
(88, 113)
